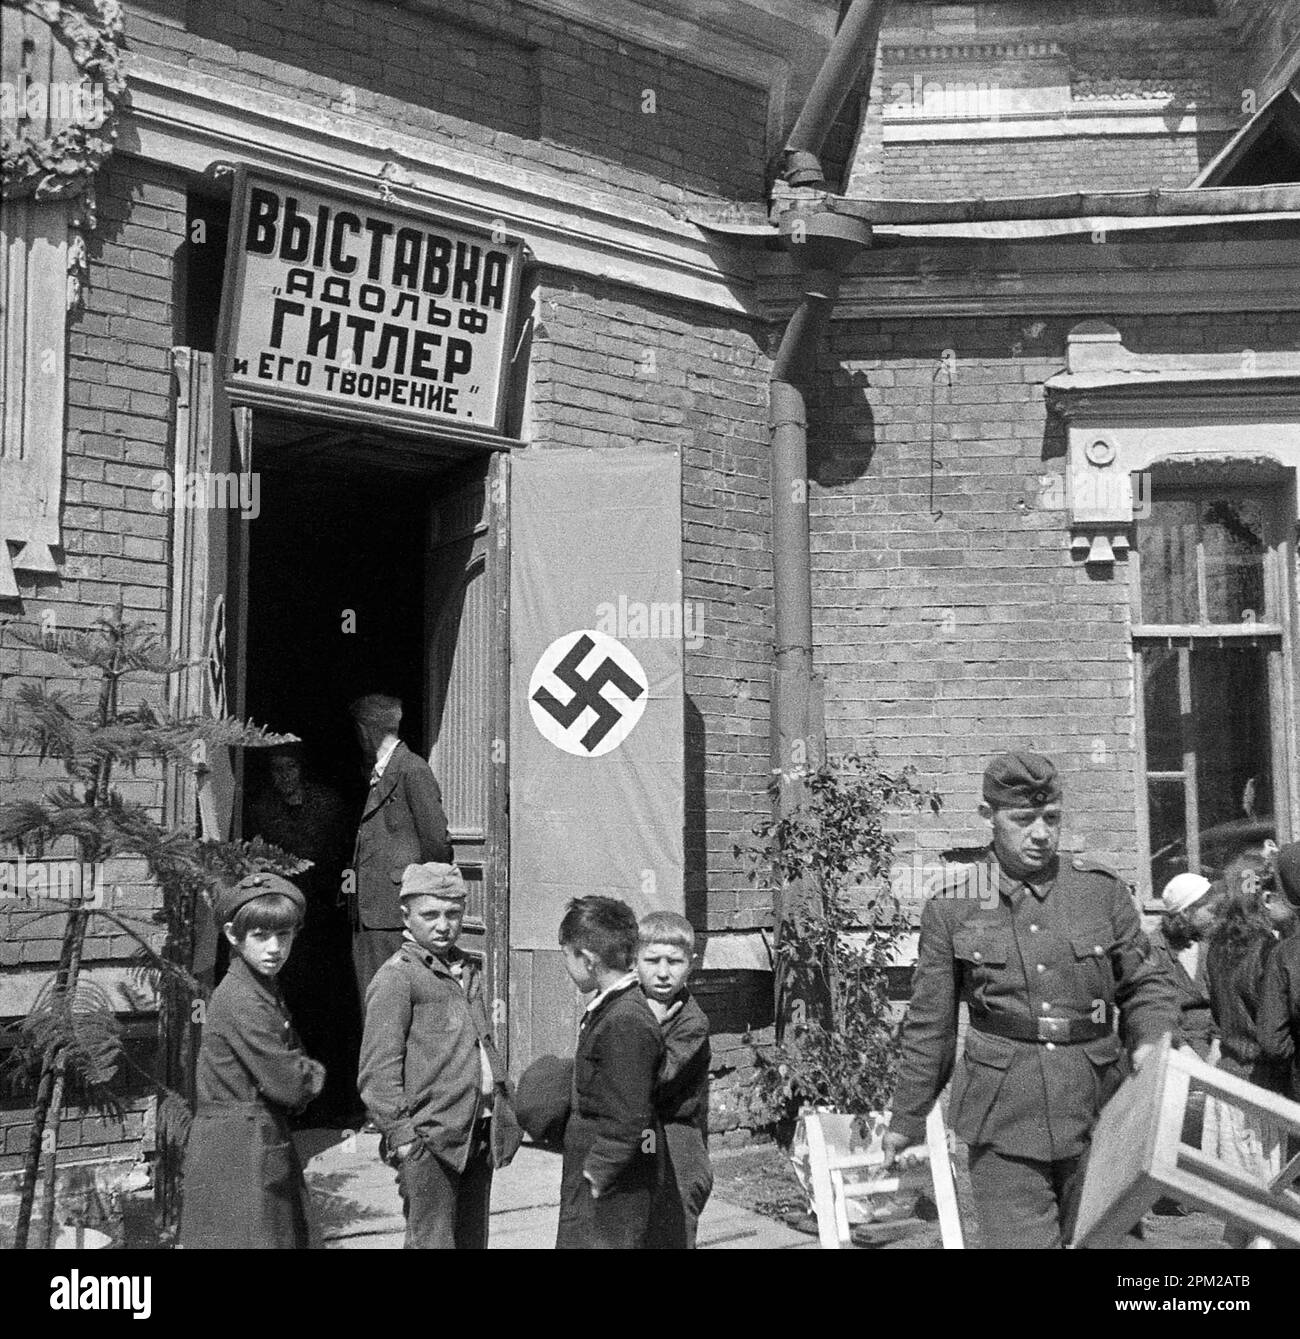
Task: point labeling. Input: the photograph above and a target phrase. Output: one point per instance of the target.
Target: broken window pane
(1167, 544)
(1164, 727)
(1232, 532)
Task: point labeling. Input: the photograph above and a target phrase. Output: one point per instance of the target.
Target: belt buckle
(1053, 1029)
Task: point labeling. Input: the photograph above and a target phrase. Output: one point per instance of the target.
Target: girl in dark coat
(1251, 919)
(243, 1181)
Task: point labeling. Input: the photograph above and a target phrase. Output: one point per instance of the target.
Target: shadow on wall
(841, 432)
(696, 820)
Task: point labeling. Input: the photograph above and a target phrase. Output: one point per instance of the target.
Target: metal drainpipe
(798, 730)
(823, 243)
(854, 45)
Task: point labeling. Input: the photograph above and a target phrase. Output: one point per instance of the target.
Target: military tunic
(1048, 961)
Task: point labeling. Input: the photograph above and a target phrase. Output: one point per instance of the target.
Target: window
(1211, 644)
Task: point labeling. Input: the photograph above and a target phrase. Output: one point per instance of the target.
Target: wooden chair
(833, 1184)
(1138, 1156)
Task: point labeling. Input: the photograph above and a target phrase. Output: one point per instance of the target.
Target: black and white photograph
(650, 625)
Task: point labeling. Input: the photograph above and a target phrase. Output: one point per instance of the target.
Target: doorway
(336, 609)
(377, 565)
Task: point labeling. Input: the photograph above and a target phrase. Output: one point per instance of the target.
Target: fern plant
(70, 1040)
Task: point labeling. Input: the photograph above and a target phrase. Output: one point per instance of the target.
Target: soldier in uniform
(1042, 968)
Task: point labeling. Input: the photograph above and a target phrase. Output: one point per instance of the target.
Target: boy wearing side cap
(243, 1180)
(429, 1069)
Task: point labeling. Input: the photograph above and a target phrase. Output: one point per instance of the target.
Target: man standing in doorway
(402, 824)
(1041, 950)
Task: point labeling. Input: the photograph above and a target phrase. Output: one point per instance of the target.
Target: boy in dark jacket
(612, 1140)
(243, 1180)
(429, 1069)
(665, 951)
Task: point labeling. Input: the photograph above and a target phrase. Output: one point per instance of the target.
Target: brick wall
(954, 624)
(614, 366)
(118, 430)
(955, 169)
(116, 543)
(1049, 62)
(493, 78)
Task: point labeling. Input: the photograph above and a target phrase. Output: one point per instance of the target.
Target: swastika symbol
(587, 711)
(586, 693)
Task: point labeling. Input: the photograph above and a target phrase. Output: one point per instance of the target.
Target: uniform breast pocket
(1091, 950)
(984, 955)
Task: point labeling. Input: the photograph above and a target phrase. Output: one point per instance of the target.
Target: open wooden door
(208, 594)
(466, 705)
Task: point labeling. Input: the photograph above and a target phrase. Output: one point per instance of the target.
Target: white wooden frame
(1138, 1156)
(831, 1191)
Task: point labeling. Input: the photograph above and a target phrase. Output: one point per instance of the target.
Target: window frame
(1275, 637)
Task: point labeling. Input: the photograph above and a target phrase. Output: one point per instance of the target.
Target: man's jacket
(1279, 1014)
(1050, 961)
(421, 1076)
(402, 824)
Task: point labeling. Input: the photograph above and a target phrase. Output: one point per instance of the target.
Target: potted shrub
(837, 1056)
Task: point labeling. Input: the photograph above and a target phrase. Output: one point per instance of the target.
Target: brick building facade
(961, 599)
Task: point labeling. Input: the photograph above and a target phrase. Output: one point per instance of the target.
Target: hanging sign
(363, 310)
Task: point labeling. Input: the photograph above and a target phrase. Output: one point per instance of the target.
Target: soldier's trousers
(1023, 1204)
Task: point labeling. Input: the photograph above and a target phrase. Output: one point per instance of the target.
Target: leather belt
(1060, 1031)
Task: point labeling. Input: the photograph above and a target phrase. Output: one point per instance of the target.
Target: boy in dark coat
(612, 1140)
(430, 1070)
(1278, 1023)
(664, 954)
(243, 1181)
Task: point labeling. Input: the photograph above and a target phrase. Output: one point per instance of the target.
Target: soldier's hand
(892, 1145)
(1140, 1054)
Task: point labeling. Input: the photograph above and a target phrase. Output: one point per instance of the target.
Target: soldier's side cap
(433, 880)
(251, 887)
(1021, 780)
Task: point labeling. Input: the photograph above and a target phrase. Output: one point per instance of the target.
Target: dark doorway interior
(336, 577)
(335, 609)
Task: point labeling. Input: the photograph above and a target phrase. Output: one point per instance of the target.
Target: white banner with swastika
(597, 752)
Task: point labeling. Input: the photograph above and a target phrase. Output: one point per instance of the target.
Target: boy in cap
(243, 1181)
(1042, 970)
(429, 1068)
(612, 1141)
(665, 951)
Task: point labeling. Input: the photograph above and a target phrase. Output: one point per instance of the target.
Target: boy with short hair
(612, 1140)
(243, 1181)
(665, 951)
(430, 1070)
